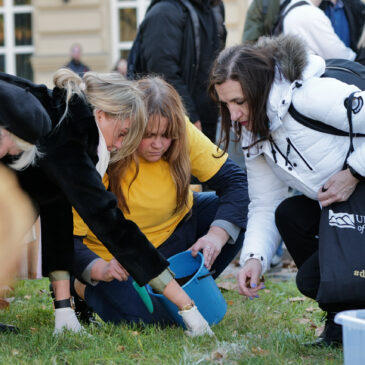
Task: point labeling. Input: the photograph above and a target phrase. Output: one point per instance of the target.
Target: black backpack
(284, 10)
(350, 72)
(135, 68)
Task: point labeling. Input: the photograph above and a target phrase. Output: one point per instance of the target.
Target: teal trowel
(142, 292)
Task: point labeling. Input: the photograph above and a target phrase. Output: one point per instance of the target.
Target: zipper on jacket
(298, 153)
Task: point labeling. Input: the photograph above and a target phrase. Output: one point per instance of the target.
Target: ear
(99, 115)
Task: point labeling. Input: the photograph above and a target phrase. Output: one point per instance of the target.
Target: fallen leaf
(259, 351)
(230, 302)
(236, 263)
(135, 333)
(297, 299)
(227, 285)
(33, 329)
(120, 348)
(4, 304)
(234, 333)
(266, 291)
(290, 264)
(304, 320)
(228, 276)
(217, 355)
(310, 309)
(319, 331)
(27, 297)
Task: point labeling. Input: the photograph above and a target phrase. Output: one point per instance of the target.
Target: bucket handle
(210, 273)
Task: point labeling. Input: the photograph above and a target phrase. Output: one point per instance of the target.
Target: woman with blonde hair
(152, 187)
(91, 118)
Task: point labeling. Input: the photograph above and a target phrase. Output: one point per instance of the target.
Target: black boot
(83, 312)
(8, 328)
(331, 335)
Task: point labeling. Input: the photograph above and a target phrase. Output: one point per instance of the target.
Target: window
(126, 16)
(16, 41)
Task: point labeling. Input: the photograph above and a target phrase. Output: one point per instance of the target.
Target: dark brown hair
(253, 68)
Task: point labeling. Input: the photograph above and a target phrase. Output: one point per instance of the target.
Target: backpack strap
(196, 27)
(278, 27)
(319, 126)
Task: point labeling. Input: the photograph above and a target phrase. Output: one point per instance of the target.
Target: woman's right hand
(249, 278)
(107, 271)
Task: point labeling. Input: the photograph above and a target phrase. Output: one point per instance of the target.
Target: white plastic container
(353, 330)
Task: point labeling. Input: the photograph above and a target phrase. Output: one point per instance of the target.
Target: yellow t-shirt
(152, 196)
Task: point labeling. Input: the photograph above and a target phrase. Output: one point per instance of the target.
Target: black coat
(168, 48)
(66, 176)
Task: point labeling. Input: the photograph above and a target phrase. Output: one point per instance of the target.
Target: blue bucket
(201, 288)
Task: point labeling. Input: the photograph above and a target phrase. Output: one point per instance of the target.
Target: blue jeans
(119, 302)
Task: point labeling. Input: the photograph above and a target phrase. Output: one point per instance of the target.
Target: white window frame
(140, 6)
(10, 50)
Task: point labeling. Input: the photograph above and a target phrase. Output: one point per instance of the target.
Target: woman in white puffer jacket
(255, 85)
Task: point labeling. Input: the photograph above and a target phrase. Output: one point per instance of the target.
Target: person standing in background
(179, 40)
(314, 27)
(347, 18)
(75, 63)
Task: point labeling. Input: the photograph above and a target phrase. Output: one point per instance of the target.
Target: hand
(211, 244)
(198, 124)
(108, 271)
(195, 323)
(338, 188)
(249, 278)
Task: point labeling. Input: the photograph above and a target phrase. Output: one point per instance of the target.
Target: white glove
(195, 323)
(65, 319)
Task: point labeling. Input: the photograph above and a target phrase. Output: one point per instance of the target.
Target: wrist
(98, 269)
(355, 174)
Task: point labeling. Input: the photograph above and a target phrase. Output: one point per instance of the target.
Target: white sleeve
(266, 192)
(315, 28)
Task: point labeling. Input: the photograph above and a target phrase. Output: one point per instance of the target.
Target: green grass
(268, 330)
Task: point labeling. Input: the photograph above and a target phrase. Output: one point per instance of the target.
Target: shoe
(331, 335)
(276, 261)
(8, 328)
(83, 312)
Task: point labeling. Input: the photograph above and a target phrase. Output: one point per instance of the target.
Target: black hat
(22, 114)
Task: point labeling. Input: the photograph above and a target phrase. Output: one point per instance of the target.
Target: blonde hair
(28, 155)
(114, 95)
(162, 100)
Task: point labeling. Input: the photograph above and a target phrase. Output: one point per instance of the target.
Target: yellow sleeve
(80, 227)
(204, 155)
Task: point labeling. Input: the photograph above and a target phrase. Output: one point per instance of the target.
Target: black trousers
(297, 219)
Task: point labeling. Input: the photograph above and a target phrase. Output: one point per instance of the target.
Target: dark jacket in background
(77, 67)
(168, 48)
(66, 176)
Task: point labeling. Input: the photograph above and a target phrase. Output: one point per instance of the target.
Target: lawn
(269, 330)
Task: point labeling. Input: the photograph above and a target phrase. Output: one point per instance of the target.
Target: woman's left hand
(211, 244)
(338, 188)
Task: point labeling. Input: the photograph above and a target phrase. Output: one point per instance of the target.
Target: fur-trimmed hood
(290, 53)
(293, 65)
